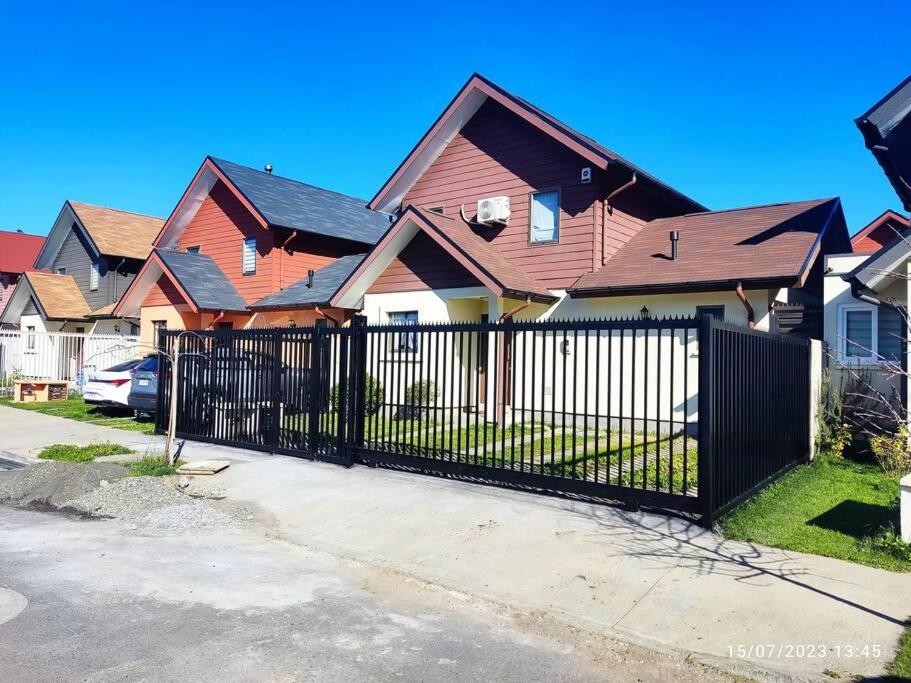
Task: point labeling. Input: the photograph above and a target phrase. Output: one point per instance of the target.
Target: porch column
(494, 362)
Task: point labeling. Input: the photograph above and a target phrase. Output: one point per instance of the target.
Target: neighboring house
(886, 128)
(239, 249)
(879, 232)
(89, 259)
(17, 254)
(866, 299)
(586, 233)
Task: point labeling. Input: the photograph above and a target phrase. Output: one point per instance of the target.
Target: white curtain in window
(250, 255)
(859, 334)
(544, 211)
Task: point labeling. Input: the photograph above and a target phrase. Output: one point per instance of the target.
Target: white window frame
(396, 337)
(531, 221)
(94, 276)
(248, 242)
(874, 358)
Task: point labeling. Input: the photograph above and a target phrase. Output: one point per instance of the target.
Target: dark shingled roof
(326, 282)
(204, 282)
(291, 204)
(760, 245)
(886, 128)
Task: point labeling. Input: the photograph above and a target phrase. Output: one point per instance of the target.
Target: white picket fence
(61, 355)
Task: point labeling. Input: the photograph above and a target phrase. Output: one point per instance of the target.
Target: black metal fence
(608, 409)
(755, 405)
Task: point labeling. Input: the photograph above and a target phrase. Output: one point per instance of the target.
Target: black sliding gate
(683, 414)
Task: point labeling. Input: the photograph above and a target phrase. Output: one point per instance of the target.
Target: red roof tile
(18, 251)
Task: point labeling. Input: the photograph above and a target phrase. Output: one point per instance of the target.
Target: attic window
(249, 256)
(192, 250)
(94, 277)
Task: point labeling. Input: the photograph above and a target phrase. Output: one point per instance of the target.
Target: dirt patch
(104, 490)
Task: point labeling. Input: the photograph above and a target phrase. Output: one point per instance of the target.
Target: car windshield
(123, 367)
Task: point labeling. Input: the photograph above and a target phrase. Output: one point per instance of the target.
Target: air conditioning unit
(493, 210)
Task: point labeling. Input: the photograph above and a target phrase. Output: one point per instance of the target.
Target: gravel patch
(104, 490)
(54, 484)
(128, 499)
(195, 515)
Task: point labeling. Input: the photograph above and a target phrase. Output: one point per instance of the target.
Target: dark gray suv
(143, 396)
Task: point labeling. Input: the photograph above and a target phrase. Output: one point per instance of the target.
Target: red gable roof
(879, 232)
(18, 251)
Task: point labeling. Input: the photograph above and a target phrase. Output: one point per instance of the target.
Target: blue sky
(118, 103)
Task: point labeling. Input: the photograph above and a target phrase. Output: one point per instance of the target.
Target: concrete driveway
(673, 593)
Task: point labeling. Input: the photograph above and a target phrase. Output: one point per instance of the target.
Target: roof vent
(268, 169)
(310, 274)
(675, 236)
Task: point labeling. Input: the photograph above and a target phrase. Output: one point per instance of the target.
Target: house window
(870, 334)
(158, 326)
(405, 342)
(192, 250)
(225, 326)
(94, 277)
(249, 256)
(30, 338)
(60, 271)
(545, 217)
(716, 312)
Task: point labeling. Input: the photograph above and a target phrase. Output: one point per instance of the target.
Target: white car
(111, 387)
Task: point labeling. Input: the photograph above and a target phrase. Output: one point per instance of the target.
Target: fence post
(277, 389)
(358, 374)
(317, 390)
(706, 403)
(344, 453)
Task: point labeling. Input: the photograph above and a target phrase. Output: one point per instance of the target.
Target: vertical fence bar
(706, 421)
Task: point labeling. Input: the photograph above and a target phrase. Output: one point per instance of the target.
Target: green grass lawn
(79, 410)
(901, 667)
(65, 452)
(837, 507)
(153, 466)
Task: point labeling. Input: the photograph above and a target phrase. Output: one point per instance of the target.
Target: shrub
(891, 451)
(373, 399)
(417, 396)
(421, 393)
(832, 435)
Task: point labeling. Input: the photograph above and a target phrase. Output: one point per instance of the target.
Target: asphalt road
(91, 600)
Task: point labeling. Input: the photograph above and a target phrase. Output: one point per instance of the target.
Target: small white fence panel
(61, 355)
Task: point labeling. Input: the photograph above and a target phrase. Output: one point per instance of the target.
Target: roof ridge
(109, 208)
(290, 180)
(24, 234)
(822, 200)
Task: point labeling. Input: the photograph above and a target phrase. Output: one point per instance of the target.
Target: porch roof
(58, 296)
(326, 282)
(202, 282)
(457, 238)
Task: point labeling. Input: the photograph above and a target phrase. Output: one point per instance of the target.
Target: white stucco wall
(627, 363)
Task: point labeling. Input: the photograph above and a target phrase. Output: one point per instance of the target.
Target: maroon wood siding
(497, 153)
(422, 265)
